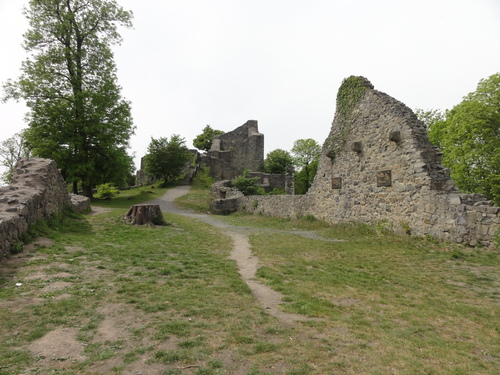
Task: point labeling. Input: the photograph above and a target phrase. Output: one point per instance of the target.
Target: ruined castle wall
(235, 151)
(219, 168)
(268, 181)
(224, 198)
(386, 171)
(283, 206)
(37, 192)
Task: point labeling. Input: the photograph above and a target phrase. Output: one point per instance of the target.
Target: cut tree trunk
(141, 214)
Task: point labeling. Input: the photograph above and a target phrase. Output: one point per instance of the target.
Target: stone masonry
(37, 192)
(378, 167)
(233, 152)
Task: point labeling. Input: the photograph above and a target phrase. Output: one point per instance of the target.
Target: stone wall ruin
(235, 151)
(377, 166)
(37, 192)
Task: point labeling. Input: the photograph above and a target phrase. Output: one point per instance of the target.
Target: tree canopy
(277, 160)
(303, 180)
(204, 140)
(76, 113)
(11, 150)
(306, 151)
(430, 116)
(166, 158)
(469, 137)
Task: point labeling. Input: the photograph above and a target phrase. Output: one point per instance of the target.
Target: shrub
(202, 180)
(247, 185)
(106, 191)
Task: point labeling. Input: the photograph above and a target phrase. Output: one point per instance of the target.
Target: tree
(276, 161)
(11, 150)
(305, 151)
(430, 117)
(304, 180)
(204, 140)
(166, 159)
(76, 113)
(469, 138)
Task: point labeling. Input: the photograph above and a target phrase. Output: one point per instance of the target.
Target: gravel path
(247, 263)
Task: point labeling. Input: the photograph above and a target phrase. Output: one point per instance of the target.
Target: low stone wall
(284, 206)
(455, 218)
(37, 192)
(224, 199)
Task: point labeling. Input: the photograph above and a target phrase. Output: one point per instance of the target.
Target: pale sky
(189, 63)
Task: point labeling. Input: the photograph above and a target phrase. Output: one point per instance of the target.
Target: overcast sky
(189, 63)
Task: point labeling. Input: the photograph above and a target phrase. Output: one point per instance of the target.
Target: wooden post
(141, 214)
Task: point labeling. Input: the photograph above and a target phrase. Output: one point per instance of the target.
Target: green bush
(106, 191)
(247, 185)
(277, 191)
(16, 248)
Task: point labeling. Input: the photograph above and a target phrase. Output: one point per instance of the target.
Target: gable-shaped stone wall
(378, 166)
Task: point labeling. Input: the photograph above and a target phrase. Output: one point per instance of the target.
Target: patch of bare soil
(43, 276)
(14, 262)
(94, 210)
(140, 367)
(114, 327)
(39, 242)
(59, 345)
(55, 286)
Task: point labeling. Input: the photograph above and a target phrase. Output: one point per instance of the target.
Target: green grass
(173, 300)
(126, 198)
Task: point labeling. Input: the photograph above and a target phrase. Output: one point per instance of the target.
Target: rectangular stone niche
(384, 178)
(337, 183)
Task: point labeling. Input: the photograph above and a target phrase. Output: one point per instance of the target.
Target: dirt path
(247, 263)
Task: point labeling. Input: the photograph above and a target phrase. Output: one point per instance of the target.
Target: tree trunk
(141, 214)
(87, 191)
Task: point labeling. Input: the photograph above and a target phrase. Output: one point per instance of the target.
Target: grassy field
(167, 300)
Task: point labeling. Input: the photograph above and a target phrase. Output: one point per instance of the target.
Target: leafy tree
(430, 117)
(167, 158)
(11, 150)
(303, 180)
(305, 151)
(469, 138)
(76, 113)
(118, 170)
(276, 161)
(204, 140)
(247, 185)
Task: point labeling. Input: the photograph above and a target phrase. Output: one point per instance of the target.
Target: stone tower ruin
(233, 152)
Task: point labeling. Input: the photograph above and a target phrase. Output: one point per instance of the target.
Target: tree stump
(142, 214)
